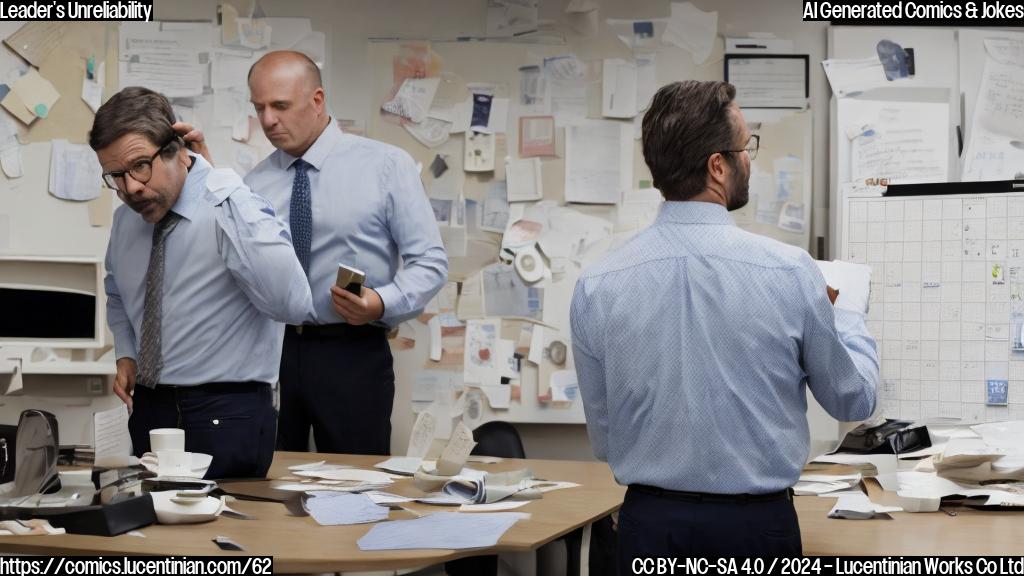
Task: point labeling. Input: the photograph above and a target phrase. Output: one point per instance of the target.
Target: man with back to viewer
(694, 344)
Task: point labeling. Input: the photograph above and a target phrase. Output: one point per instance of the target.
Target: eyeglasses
(141, 171)
(751, 148)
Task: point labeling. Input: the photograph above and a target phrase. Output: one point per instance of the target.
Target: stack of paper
(334, 509)
(444, 530)
(340, 480)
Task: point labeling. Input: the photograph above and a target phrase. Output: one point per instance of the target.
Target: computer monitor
(53, 302)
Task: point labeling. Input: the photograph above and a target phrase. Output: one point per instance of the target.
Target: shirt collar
(692, 212)
(194, 189)
(318, 152)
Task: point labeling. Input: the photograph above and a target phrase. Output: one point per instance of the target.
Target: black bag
(37, 443)
(889, 437)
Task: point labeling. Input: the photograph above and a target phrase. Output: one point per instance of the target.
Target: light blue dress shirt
(693, 345)
(231, 278)
(369, 212)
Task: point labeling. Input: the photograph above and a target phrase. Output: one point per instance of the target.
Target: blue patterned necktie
(151, 358)
(301, 213)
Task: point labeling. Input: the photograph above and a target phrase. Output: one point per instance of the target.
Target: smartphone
(350, 279)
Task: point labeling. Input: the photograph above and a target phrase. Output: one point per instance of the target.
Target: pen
(751, 46)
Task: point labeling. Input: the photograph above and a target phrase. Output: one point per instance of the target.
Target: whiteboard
(947, 301)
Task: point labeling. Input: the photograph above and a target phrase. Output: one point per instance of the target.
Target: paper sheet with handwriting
(996, 147)
(454, 455)
(906, 142)
(165, 61)
(112, 441)
(598, 162)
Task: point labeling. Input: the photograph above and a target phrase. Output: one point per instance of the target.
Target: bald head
(296, 65)
(287, 93)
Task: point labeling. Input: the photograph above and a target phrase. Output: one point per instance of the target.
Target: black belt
(786, 494)
(320, 330)
(213, 387)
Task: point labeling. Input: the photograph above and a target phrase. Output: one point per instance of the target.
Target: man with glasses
(200, 276)
(695, 343)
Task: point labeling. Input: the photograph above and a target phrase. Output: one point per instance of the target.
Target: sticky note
(36, 93)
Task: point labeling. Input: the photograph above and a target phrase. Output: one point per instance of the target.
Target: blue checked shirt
(369, 212)
(693, 346)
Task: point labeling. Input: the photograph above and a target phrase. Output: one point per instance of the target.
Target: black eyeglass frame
(755, 138)
(110, 179)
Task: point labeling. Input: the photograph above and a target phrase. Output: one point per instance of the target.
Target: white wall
(347, 24)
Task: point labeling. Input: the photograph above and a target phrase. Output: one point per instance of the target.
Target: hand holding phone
(350, 279)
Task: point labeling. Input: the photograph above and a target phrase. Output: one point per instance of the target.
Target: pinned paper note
(10, 161)
(35, 93)
(413, 99)
(92, 88)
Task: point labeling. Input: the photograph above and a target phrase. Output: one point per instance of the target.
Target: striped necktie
(151, 359)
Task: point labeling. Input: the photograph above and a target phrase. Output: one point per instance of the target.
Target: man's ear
(716, 167)
(319, 100)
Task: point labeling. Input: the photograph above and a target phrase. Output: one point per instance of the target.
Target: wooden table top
(970, 533)
(299, 544)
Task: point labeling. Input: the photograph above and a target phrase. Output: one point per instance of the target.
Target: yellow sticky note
(36, 92)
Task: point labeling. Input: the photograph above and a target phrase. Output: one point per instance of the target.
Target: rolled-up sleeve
(117, 316)
(415, 233)
(839, 355)
(257, 249)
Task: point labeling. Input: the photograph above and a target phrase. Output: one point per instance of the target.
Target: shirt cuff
(849, 322)
(391, 297)
(124, 347)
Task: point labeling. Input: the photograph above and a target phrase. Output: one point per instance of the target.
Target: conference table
(300, 545)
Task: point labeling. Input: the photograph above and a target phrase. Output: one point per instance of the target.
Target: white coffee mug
(166, 439)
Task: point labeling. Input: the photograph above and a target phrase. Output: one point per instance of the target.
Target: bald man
(353, 201)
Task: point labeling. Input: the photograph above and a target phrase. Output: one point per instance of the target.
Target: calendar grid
(947, 302)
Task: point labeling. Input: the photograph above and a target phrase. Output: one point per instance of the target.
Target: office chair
(499, 439)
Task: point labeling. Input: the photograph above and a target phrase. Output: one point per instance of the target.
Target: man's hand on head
(194, 139)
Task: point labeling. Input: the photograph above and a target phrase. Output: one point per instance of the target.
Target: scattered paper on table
(446, 530)
(340, 508)
(454, 455)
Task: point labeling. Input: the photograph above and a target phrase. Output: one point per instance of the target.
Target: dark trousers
(234, 422)
(666, 526)
(338, 380)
